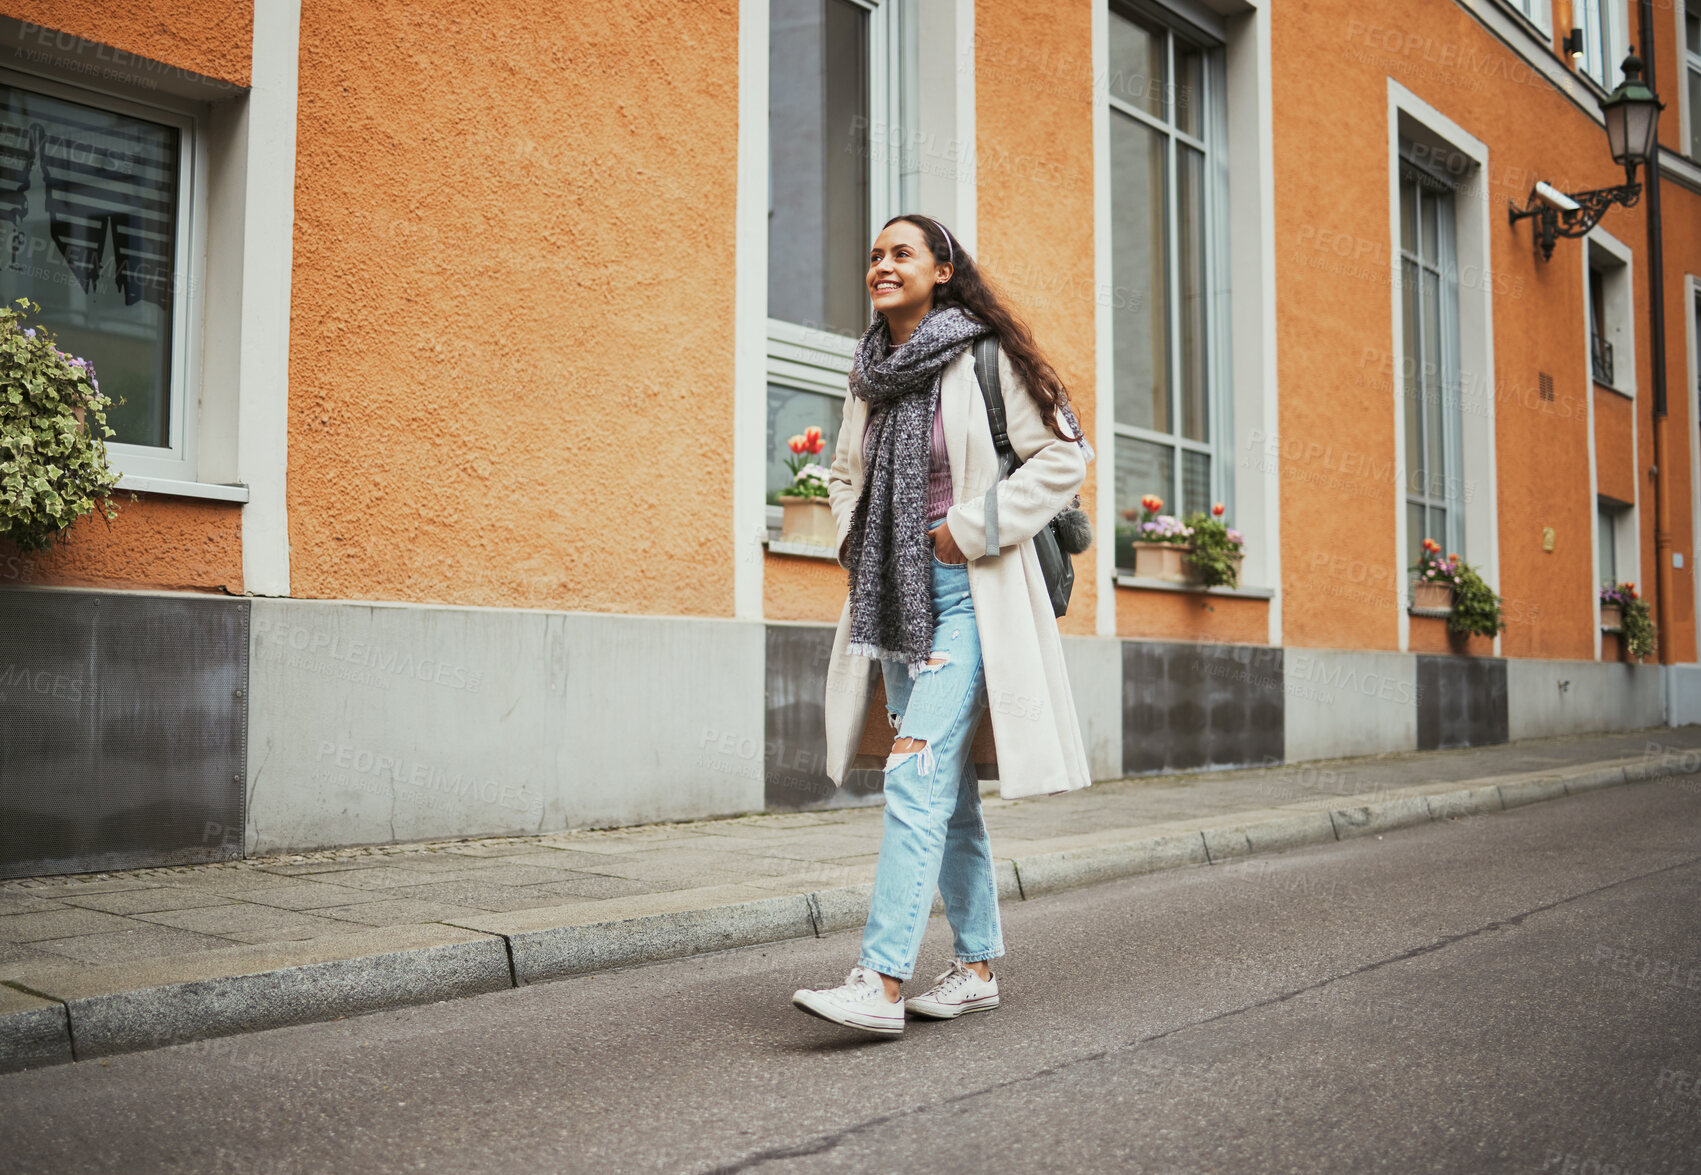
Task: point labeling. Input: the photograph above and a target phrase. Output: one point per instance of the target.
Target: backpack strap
(986, 374)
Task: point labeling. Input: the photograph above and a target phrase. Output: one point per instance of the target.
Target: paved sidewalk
(153, 956)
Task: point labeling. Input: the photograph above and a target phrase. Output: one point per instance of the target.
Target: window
(1611, 346)
(1536, 11)
(1604, 39)
(94, 198)
(1692, 72)
(1600, 347)
(1168, 182)
(833, 91)
(1429, 314)
(1607, 514)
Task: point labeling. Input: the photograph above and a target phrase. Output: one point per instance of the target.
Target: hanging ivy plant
(53, 463)
(1476, 607)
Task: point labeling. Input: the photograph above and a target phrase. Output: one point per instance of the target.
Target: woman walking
(947, 599)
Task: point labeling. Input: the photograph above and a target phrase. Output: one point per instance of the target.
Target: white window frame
(1538, 13)
(1691, 67)
(815, 360)
(1218, 356)
(1475, 222)
(177, 461)
(1614, 260)
(1606, 33)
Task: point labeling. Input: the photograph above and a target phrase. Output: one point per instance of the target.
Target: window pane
(1195, 482)
(1435, 485)
(790, 412)
(1190, 196)
(818, 163)
(1139, 264)
(1137, 71)
(1414, 532)
(1695, 113)
(1409, 376)
(1408, 215)
(1189, 89)
(88, 204)
(1426, 220)
(1692, 25)
(1141, 468)
(1607, 556)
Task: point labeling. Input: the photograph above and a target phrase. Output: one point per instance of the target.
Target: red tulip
(812, 433)
(1218, 509)
(796, 444)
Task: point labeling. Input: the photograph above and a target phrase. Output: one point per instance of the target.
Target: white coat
(1038, 737)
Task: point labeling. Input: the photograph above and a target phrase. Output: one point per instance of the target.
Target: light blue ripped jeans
(934, 834)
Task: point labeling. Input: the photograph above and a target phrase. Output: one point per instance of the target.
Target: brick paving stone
(516, 875)
(57, 924)
(247, 923)
(593, 886)
(397, 912)
(16, 956)
(140, 941)
(492, 899)
(22, 902)
(309, 896)
(147, 901)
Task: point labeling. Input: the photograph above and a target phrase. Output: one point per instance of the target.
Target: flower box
(1612, 616)
(808, 521)
(1431, 596)
(1165, 561)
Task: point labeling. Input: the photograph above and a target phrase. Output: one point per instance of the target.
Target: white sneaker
(860, 1003)
(957, 991)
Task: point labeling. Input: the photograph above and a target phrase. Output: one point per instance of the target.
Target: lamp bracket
(1554, 222)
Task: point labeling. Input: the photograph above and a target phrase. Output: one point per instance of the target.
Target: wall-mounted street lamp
(1632, 120)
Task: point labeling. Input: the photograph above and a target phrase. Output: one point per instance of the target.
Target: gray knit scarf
(887, 550)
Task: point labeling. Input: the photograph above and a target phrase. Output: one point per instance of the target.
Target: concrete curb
(68, 1013)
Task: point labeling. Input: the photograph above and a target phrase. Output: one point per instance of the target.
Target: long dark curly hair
(970, 291)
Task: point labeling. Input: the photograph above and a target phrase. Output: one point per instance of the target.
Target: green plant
(1476, 607)
(1636, 623)
(1216, 548)
(53, 464)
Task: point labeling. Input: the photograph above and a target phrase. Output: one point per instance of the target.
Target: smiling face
(902, 273)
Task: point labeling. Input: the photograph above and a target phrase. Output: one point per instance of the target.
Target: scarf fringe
(875, 652)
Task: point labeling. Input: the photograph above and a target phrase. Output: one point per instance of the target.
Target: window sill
(804, 550)
(1165, 585)
(1432, 613)
(1599, 386)
(184, 489)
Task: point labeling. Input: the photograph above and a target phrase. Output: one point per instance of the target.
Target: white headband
(950, 249)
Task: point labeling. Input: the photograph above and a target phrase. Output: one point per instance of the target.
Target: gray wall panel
(122, 731)
(1195, 705)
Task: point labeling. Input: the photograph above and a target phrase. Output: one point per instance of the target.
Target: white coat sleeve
(841, 494)
(1051, 474)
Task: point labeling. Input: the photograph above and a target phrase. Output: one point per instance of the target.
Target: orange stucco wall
(1429, 634)
(1192, 616)
(511, 340)
(796, 587)
(208, 37)
(156, 543)
(1034, 177)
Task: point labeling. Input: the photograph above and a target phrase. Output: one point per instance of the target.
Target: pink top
(938, 472)
(939, 496)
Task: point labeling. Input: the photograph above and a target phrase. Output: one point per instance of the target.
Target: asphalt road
(1517, 992)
